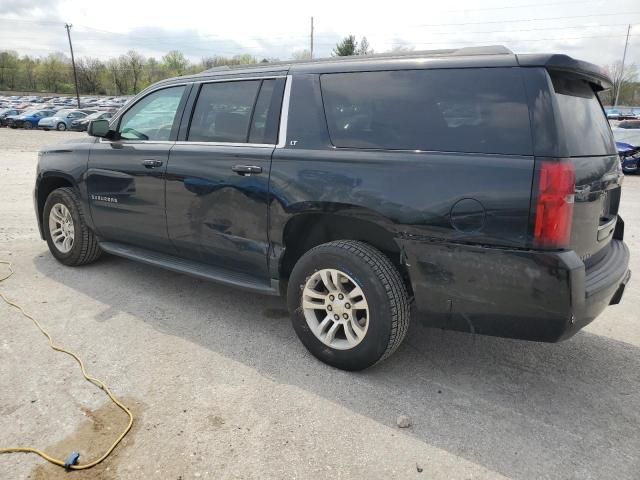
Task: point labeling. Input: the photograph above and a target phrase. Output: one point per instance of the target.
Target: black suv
(473, 189)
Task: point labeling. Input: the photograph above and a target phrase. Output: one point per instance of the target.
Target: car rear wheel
(61, 127)
(27, 125)
(348, 303)
(69, 238)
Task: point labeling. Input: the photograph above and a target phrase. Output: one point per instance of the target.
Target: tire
(385, 321)
(27, 125)
(84, 248)
(61, 127)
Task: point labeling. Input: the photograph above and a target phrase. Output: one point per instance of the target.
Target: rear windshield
(584, 124)
(480, 110)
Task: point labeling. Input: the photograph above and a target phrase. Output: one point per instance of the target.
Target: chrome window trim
(237, 79)
(284, 114)
(127, 140)
(225, 144)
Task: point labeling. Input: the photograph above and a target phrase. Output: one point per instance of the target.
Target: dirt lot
(223, 389)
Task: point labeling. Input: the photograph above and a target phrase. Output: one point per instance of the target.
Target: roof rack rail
(222, 67)
(463, 51)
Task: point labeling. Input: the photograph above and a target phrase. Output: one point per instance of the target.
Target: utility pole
(311, 48)
(73, 61)
(624, 56)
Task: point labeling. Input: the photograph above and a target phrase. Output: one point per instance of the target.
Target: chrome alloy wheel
(335, 308)
(61, 227)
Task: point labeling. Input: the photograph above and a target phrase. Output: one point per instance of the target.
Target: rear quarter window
(481, 110)
(584, 125)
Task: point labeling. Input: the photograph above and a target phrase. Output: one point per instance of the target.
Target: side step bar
(195, 269)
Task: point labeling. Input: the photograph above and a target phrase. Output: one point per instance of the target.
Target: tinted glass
(584, 124)
(152, 117)
(223, 112)
(470, 110)
(259, 133)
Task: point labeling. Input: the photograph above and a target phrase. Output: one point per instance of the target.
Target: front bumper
(530, 295)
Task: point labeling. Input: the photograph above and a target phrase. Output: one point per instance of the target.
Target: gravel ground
(222, 388)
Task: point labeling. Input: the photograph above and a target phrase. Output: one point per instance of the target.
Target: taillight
(554, 209)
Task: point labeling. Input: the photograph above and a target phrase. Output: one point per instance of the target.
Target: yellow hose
(98, 383)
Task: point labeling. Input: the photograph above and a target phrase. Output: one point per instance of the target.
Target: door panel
(215, 214)
(127, 197)
(217, 185)
(126, 174)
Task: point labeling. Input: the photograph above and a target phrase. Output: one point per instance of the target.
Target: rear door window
(261, 126)
(223, 112)
(584, 124)
(242, 111)
(481, 110)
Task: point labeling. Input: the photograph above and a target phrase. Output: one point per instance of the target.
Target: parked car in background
(61, 120)
(629, 156)
(628, 146)
(629, 124)
(29, 119)
(81, 124)
(617, 114)
(8, 112)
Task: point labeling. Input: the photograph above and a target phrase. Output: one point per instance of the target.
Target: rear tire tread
(392, 282)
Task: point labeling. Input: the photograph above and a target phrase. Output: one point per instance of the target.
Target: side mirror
(98, 128)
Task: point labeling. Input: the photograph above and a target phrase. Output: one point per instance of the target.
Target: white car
(61, 121)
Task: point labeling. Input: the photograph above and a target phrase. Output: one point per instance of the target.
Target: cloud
(593, 32)
(29, 7)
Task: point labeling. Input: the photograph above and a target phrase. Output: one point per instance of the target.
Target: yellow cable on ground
(98, 383)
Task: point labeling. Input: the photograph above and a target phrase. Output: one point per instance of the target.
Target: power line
(526, 19)
(510, 40)
(406, 26)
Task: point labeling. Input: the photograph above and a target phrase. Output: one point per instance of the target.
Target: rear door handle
(246, 169)
(152, 163)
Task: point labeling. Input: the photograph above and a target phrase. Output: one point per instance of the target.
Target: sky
(590, 30)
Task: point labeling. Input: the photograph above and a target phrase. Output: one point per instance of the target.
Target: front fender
(60, 165)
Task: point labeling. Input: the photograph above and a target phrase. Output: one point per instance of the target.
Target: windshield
(63, 113)
(93, 116)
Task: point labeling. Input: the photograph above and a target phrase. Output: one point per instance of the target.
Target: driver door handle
(246, 169)
(151, 163)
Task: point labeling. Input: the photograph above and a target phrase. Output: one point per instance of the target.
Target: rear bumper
(530, 295)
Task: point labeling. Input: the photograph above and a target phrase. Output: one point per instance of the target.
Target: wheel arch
(47, 184)
(304, 231)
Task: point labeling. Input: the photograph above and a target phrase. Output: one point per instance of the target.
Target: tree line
(131, 72)
(124, 75)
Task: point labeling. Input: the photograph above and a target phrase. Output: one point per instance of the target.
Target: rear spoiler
(564, 63)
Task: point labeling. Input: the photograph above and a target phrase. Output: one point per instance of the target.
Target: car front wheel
(61, 127)
(349, 304)
(69, 238)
